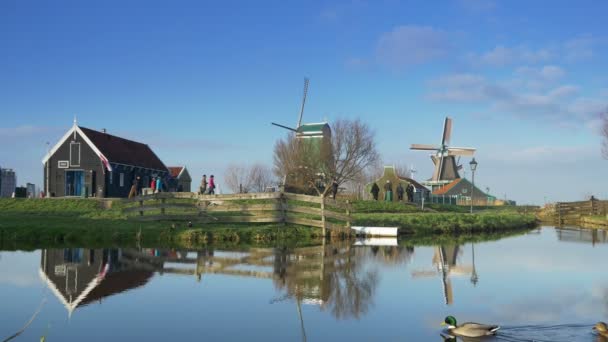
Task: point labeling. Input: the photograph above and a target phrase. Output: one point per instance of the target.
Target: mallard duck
(469, 329)
(601, 328)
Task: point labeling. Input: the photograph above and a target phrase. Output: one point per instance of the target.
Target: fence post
(323, 215)
(283, 208)
(348, 213)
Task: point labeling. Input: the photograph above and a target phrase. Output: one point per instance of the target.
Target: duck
(469, 329)
(601, 328)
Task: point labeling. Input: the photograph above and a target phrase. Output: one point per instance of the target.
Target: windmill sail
(444, 158)
(303, 103)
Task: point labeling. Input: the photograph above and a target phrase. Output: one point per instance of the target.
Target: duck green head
(450, 321)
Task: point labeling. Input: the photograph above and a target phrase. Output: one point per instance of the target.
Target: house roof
(124, 151)
(416, 184)
(175, 170)
(444, 189)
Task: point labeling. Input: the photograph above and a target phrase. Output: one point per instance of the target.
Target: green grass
(437, 223)
(80, 222)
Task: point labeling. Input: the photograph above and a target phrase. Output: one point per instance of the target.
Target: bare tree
(351, 150)
(403, 170)
(235, 177)
(247, 178)
(260, 177)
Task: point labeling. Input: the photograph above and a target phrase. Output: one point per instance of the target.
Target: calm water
(338, 292)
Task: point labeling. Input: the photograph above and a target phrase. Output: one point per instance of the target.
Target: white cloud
(578, 49)
(531, 93)
(503, 56)
(411, 45)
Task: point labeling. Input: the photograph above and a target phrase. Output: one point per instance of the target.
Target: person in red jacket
(211, 185)
(153, 185)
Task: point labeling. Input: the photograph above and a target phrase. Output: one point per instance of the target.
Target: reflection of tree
(391, 255)
(331, 276)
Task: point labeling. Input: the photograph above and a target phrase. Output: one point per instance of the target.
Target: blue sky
(200, 81)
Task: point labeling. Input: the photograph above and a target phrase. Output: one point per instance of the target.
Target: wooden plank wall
(274, 207)
(571, 212)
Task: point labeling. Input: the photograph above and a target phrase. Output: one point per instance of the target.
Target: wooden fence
(572, 212)
(275, 207)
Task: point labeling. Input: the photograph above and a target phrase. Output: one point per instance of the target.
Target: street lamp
(46, 190)
(473, 165)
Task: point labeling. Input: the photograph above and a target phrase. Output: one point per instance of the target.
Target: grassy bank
(450, 223)
(78, 222)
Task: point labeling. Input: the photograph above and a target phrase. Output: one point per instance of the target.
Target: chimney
(103, 130)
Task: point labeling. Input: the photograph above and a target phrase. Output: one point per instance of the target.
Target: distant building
(182, 180)
(91, 163)
(8, 182)
(31, 190)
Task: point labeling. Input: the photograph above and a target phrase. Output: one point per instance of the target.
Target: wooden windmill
(444, 158)
(318, 130)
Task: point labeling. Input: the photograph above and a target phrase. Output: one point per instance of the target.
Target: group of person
(156, 184)
(207, 187)
(388, 191)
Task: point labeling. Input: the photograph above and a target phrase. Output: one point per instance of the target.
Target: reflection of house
(181, 178)
(390, 174)
(81, 276)
(445, 260)
(87, 162)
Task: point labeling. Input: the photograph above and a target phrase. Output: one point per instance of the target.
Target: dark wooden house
(181, 178)
(86, 162)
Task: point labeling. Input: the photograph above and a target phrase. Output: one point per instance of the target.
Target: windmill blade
(462, 148)
(424, 147)
(289, 128)
(447, 131)
(461, 152)
(303, 103)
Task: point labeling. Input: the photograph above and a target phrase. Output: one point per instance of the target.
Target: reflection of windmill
(444, 260)
(446, 165)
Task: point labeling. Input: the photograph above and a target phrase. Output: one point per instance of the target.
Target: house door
(74, 183)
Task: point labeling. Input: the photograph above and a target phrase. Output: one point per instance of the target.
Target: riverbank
(73, 222)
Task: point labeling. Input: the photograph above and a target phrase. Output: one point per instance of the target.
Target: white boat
(376, 231)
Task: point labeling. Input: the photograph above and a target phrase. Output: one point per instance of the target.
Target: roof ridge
(112, 135)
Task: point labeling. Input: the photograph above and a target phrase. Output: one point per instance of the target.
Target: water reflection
(336, 278)
(81, 276)
(582, 235)
(445, 264)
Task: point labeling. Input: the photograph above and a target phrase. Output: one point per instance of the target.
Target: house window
(74, 154)
(122, 179)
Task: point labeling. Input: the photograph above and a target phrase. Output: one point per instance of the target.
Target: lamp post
(473, 165)
(46, 192)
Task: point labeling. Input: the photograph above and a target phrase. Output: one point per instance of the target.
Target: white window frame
(63, 164)
(74, 143)
(121, 181)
